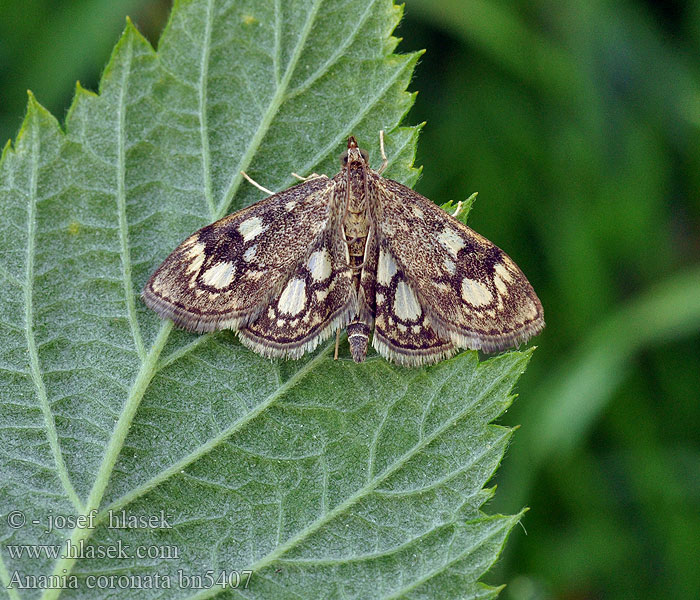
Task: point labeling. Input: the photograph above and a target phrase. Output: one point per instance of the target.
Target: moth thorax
(357, 186)
(358, 336)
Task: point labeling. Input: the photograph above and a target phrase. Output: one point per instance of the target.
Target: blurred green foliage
(579, 124)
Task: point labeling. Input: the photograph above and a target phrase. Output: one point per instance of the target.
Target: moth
(354, 251)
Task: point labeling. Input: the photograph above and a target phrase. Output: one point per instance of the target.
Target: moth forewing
(473, 293)
(223, 276)
(357, 251)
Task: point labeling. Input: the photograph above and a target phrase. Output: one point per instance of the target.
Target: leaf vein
(459, 556)
(114, 447)
(366, 489)
(275, 103)
(202, 106)
(35, 367)
(121, 207)
(443, 480)
(278, 43)
(335, 142)
(217, 440)
(333, 58)
(364, 557)
(5, 577)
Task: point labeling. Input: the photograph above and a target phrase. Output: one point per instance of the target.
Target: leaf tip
(132, 32)
(80, 94)
(35, 108)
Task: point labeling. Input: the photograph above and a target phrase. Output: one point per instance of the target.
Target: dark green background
(578, 123)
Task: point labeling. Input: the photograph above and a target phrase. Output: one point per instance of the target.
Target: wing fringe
(270, 349)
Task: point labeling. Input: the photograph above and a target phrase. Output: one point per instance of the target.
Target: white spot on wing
(475, 293)
(293, 297)
(406, 306)
(196, 253)
(450, 265)
(319, 265)
(251, 228)
(249, 254)
(219, 275)
(290, 205)
(503, 273)
(386, 267)
(451, 241)
(500, 286)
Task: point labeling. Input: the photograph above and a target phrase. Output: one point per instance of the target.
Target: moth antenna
(385, 161)
(256, 184)
(458, 209)
(308, 177)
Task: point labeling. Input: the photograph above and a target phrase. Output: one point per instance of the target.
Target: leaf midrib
(214, 442)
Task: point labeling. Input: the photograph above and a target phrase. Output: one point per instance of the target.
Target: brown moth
(354, 251)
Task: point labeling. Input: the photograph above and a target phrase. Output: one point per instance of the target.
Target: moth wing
(225, 274)
(472, 292)
(317, 299)
(402, 329)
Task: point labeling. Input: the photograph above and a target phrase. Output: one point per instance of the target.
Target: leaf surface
(324, 478)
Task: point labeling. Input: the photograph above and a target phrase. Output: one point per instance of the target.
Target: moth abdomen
(358, 338)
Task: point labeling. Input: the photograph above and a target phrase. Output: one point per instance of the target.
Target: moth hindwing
(355, 251)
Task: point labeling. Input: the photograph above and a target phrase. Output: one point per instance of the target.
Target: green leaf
(324, 478)
(460, 210)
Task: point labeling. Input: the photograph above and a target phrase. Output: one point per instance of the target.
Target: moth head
(353, 153)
